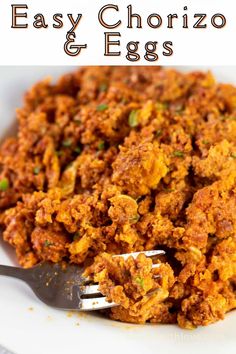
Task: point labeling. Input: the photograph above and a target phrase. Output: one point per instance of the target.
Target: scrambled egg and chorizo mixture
(112, 160)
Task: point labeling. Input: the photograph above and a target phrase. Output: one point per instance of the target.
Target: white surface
(47, 331)
(45, 46)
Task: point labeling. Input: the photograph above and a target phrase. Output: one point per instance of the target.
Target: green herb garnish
(159, 133)
(134, 219)
(76, 236)
(36, 170)
(101, 145)
(66, 143)
(178, 153)
(168, 190)
(103, 87)
(4, 185)
(47, 243)
(78, 150)
(205, 142)
(139, 281)
(133, 119)
(102, 107)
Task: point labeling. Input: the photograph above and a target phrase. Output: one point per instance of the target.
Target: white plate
(30, 327)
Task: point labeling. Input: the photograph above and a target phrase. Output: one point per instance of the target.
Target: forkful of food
(66, 287)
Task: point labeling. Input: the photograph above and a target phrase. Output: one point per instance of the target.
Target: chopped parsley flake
(67, 143)
(76, 236)
(205, 142)
(133, 119)
(168, 190)
(47, 243)
(36, 170)
(134, 219)
(78, 150)
(140, 281)
(159, 133)
(178, 153)
(102, 107)
(101, 145)
(4, 184)
(103, 87)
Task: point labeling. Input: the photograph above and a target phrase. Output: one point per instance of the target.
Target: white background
(45, 46)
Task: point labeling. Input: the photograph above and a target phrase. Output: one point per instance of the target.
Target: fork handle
(14, 272)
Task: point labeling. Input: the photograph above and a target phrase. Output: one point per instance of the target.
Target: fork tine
(135, 254)
(100, 302)
(94, 289)
(157, 265)
(90, 290)
(96, 304)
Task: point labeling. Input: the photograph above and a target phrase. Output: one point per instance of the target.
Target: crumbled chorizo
(113, 160)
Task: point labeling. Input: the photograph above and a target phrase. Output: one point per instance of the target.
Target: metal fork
(66, 287)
